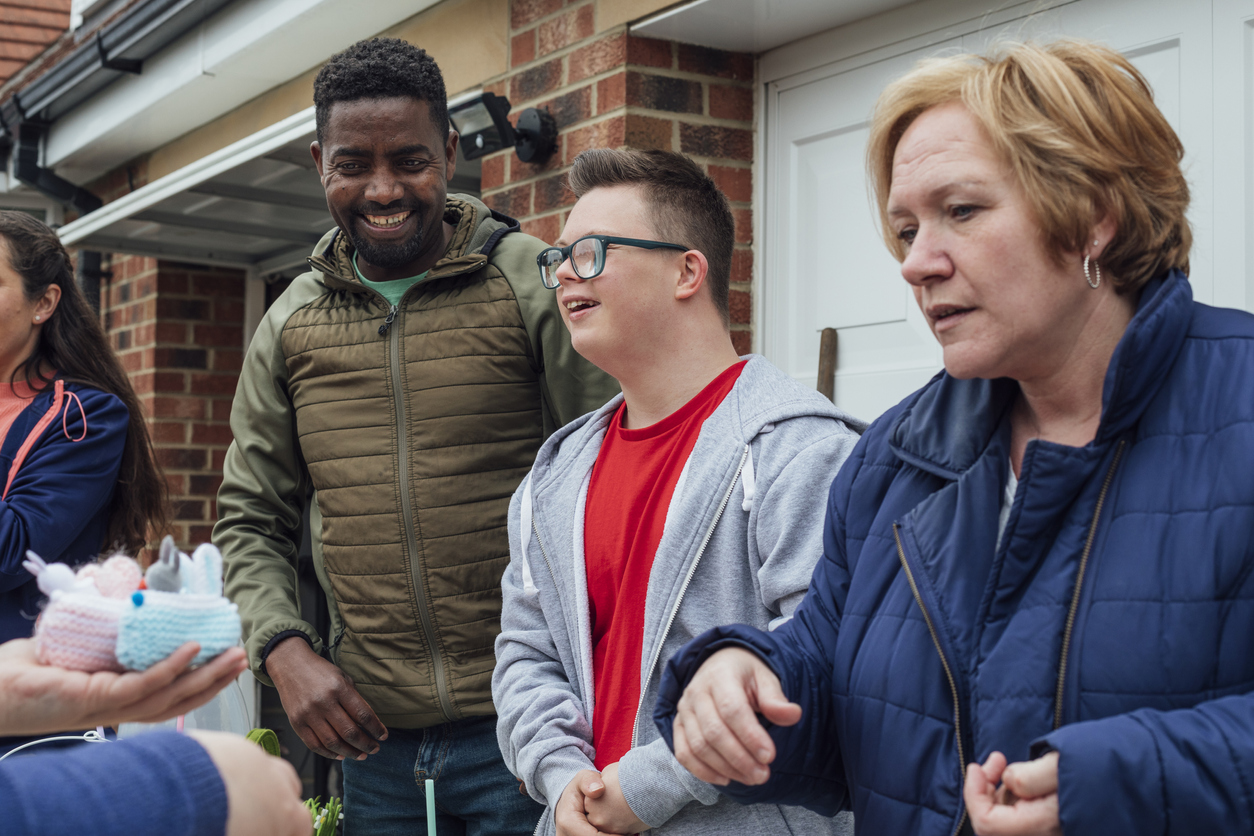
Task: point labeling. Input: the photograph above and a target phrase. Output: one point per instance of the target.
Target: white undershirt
(1007, 499)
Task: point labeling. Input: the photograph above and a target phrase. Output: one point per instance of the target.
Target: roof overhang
(756, 25)
(255, 204)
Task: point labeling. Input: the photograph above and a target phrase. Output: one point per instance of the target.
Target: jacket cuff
(555, 772)
(656, 786)
(262, 642)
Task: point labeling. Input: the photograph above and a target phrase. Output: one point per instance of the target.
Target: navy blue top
(1156, 696)
(58, 503)
(157, 784)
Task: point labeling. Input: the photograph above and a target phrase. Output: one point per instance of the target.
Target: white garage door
(824, 263)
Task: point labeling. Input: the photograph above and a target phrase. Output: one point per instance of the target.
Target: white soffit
(236, 55)
(256, 203)
(756, 25)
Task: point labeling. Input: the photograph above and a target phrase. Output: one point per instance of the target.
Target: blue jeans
(475, 794)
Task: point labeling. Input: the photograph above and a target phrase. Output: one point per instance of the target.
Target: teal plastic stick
(430, 785)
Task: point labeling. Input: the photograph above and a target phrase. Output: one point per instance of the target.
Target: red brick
(218, 284)
(742, 265)
(646, 132)
(737, 66)
(560, 32)
(492, 175)
(217, 459)
(169, 382)
(570, 107)
(168, 431)
(145, 334)
(598, 57)
(221, 411)
(142, 383)
(740, 307)
(212, 434)
(551, 193)
(230, 336)
(650, 52)
(168, 283)
(213, 384)
(188, 509)
(611, 93)
(742, 341)
(132, 361)
(607, 134)
(523, 12)
(197, 309)
(205, 484)
(170, 332)
(169, 407)
(180, 458)
(180, 358)
(228, 310)
(145, 285)
(535, 82)
(522, 48)
(547, 229)
(515, 202)
(744, 225)
(660, 92)
(197, 534)
(728, 102)
(519, 170)
(736, 183)
(176, 483)
(227, 360)
(716, 141)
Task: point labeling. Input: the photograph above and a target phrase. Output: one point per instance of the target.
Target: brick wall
(613, 90)
(178, 331)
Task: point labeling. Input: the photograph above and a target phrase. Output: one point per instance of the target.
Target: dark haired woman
(76, 467)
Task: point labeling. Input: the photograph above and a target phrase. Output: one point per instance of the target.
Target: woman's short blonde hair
(1077, 124)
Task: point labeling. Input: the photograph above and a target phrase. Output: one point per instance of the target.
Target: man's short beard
(387, 256)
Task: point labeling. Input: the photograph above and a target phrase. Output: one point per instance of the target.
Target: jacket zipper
(953, 685)
(1079, 583)
(556, 589)
(657, 651)
(420, 592)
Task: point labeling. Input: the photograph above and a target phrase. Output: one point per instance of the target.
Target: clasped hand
(593, 803)
(719, 739)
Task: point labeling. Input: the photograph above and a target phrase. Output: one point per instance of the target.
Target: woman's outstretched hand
(717, 735)
(41, 698)
(1025, 803)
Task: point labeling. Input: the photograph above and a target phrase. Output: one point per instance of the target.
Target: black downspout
(88, 275)
(26, 168)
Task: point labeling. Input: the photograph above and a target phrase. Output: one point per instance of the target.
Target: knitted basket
(155, 624)
(79, 631)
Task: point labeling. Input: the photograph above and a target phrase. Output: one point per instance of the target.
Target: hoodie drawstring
(60, 404)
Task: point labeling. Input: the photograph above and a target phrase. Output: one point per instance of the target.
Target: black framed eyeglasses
(587, 256)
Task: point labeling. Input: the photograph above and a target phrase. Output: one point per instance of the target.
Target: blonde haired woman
(1044, 555)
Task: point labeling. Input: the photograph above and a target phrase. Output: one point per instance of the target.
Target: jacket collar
(950, 423)
(476, 232)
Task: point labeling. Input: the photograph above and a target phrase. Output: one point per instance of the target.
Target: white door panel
(825, 264)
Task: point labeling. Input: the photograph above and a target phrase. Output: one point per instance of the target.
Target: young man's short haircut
(687, 206)
(380, 68)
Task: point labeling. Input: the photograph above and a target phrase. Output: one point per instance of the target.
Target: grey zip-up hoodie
(743, 532)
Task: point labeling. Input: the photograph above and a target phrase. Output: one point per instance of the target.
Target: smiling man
(697, 498)
(403, 385)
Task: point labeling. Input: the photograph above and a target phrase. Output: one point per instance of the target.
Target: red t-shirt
(630, 491)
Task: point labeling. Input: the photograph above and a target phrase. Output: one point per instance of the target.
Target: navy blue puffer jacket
(1114, 624)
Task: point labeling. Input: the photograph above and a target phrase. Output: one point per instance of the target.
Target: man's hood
(476, 232)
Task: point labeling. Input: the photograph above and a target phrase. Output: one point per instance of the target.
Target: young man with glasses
(694, 499)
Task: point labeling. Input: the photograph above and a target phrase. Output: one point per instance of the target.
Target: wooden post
(827, 364)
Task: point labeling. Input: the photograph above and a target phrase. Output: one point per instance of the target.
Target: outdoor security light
(483, 123)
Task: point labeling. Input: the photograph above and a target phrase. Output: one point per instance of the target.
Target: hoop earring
(1097, 268)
